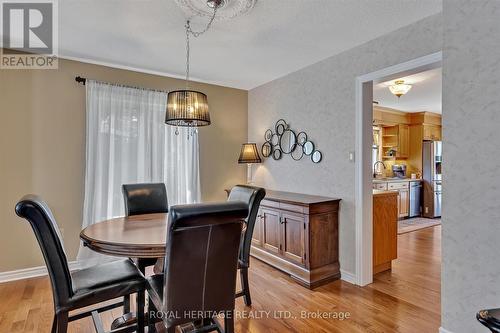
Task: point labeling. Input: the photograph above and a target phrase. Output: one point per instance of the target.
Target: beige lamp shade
(249, 154)
(187, 108)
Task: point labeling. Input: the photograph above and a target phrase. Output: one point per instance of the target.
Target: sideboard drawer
(270, 203)
(293, 208)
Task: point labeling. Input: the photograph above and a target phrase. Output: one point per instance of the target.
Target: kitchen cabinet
(397, 138)
(432, 132)
(404, 133)
(403, 199)
(379, 186)
(385, 230)
(298, 234)
(403, 141)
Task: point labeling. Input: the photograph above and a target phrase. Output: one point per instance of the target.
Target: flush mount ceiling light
(399, 88)
(226, 9)
(189, 108)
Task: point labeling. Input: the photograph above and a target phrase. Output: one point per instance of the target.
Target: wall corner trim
(347, 276)
(32, 272)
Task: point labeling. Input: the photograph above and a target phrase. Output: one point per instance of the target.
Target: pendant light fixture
(399, 88)
(189, 108)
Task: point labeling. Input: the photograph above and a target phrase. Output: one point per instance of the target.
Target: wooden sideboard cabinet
(298, 234)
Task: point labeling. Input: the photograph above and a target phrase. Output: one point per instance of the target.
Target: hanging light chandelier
(399, 88)
(189, 108)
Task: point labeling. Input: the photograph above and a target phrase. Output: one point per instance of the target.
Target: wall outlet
(351, 156)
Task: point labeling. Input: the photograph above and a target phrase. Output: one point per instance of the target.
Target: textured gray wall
(471, 196)
(320, 99)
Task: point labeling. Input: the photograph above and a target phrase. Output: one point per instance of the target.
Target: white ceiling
(276, 38)
(424, 95)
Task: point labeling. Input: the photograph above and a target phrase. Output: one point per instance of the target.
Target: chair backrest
(201, 259)
(146, 198)
(47, 233)
(251, 196)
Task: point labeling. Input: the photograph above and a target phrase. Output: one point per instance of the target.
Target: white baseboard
(442, 330)
(347, 277)
(31, 272)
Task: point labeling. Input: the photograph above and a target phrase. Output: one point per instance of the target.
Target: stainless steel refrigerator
(432, 158)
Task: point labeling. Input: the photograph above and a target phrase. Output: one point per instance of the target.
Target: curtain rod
(83, 81)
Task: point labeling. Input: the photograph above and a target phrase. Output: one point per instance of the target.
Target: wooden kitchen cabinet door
(404, 141)
(437, 133)
(404, 203)
(432, 132)
(293, 240)
(271, 230)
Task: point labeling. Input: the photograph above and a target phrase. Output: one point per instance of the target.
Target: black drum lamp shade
(187, 108)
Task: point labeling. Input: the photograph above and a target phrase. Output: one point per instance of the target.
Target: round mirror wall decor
(301, 138)
(280, 129)
(284, 140)
(275, 139)
(308, 148)
(297, 154)
(276, 154)
(268, 135)
(280, 126)
(317, 156)
(266, 149)
(288, 142)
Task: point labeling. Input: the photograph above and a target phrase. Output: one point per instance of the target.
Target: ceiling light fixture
(216, 3)
(189, 108)
(399, 88)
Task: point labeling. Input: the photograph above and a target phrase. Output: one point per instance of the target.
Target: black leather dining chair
(86, 287)
(200, 266)
(251, 196)
(145, 198)
(490, 318)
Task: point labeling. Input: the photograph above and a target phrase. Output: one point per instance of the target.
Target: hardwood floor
(404, 300)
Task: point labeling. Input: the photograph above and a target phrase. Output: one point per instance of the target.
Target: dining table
(136, 236)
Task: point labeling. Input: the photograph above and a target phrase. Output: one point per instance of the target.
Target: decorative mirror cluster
(283, 140)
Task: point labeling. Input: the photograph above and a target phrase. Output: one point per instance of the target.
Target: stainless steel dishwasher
(415, 198)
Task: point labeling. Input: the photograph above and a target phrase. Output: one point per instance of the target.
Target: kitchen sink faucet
(375, 168)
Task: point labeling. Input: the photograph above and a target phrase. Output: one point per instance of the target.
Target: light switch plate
(351, 156)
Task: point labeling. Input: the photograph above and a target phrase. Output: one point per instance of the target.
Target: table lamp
(249, 154)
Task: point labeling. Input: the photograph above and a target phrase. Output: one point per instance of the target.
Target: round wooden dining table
(137, 236)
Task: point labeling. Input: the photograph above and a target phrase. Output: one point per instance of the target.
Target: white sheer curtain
(127, 141)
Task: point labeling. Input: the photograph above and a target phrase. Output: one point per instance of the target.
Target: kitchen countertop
(395, 180)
